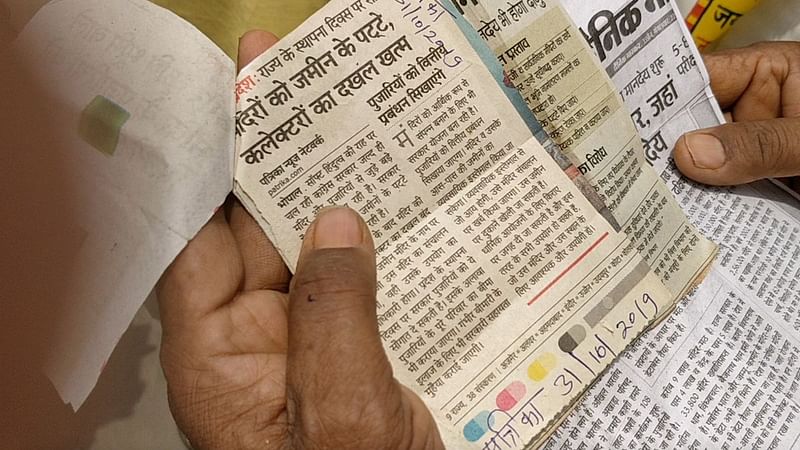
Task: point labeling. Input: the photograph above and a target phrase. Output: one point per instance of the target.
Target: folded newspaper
(518, 255)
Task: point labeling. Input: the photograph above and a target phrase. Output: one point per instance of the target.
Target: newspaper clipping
(502, 292)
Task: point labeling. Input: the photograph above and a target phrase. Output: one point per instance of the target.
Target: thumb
(252, 44)
(741, 152)
(337, 371)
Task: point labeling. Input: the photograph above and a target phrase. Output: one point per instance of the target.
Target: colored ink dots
(511, 395)
(477, 427)
(101, 124)
(539, 369)
(572, 339)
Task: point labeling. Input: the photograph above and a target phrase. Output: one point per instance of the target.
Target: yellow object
(540, 368)
(225, 21)
(709, 20)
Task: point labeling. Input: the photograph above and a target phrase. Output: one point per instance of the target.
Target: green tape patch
(101, 124)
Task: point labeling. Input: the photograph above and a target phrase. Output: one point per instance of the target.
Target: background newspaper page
(547, 58)
(654, 65)
(722, 372)
(502, 293)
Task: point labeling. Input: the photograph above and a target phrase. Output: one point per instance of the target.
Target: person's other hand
(256, 360)
(759, 88)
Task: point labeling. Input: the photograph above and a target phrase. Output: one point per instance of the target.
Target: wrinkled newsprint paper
(724, 370)
(548, 59)
(502, 291)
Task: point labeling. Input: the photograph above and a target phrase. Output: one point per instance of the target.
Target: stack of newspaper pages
(512, 160)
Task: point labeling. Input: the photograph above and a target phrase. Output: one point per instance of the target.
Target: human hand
(759, 88)
(254, 359)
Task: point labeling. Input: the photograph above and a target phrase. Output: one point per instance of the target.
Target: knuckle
(786, 141)
(739, 141)
(335, 273)
(764, 144)
(767, 143)
(776, 58)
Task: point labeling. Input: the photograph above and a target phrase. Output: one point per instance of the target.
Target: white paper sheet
(142, 199)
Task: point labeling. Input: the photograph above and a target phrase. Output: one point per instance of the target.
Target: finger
(263, 266)
(728, 85)
(337, 368)
(750, 80)
(254, 43)
(741, 152)
(205, 276)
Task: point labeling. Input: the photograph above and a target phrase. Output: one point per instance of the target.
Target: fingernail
(706, 150)
(337, 228)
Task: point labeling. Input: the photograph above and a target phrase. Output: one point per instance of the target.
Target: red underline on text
(568, 269)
